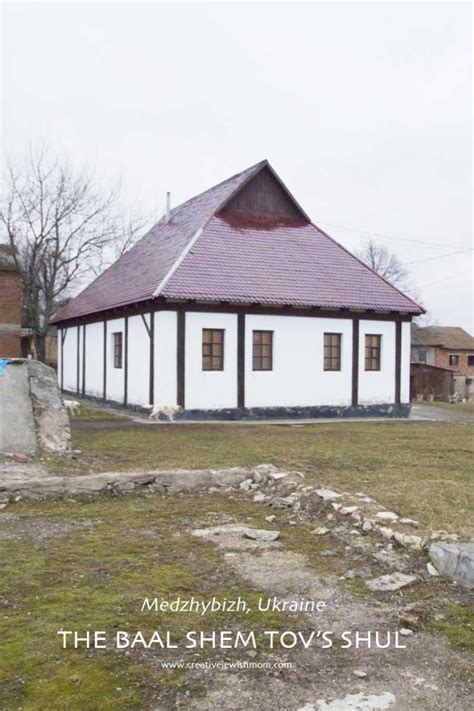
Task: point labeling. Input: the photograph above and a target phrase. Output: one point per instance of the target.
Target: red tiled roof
(256, 259)
(208, 255)
(136, 274)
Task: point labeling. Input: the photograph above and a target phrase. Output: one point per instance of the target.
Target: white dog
(167, 410)
(73, 406)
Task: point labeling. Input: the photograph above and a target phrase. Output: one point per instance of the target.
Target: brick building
(446, 347)
(10, 304)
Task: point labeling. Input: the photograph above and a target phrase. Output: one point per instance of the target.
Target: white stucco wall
(138, 361)
(210, 389)
(70, 362)
(377, 386)
(95, 359)
(115, 376)
(298, 377)
(406, 351)
(165, 357)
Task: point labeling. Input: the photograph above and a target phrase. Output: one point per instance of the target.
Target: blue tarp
(3, 363)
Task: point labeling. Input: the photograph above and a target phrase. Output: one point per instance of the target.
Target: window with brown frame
(118, 349)
(262, 355)
(212, 349)
(332, 351)
(373, 345)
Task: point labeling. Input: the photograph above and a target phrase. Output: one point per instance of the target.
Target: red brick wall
(442, 360)
(10, 313)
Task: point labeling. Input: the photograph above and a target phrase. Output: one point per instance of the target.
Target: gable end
(265, 194)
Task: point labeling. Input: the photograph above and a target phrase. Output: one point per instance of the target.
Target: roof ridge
(251, 171)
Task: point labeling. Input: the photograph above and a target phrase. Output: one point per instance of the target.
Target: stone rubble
(456, 561)
(356, 519)
(391, 583)
(354, 702)
(261, 534)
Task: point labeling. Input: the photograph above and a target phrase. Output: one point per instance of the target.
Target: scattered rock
(387, 516)
(386, 532)
(405, 632)
(432, 570)
(409, 522)
(320, 531)
(270, 518)
(261, 534)
(265, 469)
(444, 536)
(246, 484)
(276, 476)
(415, 542)
(19, 457)
(328, 494)
(283, 502)
(360, 673)
(456, 561)
(353, 702)
(346, 510)
(259, 497)
(328, 553)
(367, 526)
(391, 583)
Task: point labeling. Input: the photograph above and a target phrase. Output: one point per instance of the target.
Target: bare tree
(61, 224)
(384, 262)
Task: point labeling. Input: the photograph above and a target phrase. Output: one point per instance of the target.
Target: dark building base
(270, 413)
(298, 413)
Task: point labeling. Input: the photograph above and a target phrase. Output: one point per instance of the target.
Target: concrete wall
(210, 389)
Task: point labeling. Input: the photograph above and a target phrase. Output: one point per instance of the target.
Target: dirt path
(426, 676)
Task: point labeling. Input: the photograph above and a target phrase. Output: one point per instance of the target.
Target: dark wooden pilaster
(241, 360)
(63, 338)
(78, 331)
(180, 356)
(152, 358)
(84, 359)
(355, 361)
(105, 360)
(125, 362)
(398, 361)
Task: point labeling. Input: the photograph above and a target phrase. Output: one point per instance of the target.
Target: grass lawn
(421, 469)
(88, 565)
(96, 578)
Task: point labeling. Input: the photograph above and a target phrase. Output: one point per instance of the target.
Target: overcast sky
(364, 109)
